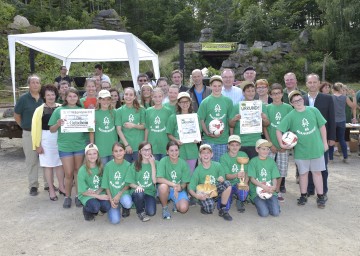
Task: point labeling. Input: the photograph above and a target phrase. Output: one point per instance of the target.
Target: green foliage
(7, 12)
(257, 52)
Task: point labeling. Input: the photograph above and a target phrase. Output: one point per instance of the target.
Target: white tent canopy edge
(86, 45)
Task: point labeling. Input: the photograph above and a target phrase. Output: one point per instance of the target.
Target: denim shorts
(181, 195)
(63, 154)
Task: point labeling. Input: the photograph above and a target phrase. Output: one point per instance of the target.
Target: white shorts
(312, 165)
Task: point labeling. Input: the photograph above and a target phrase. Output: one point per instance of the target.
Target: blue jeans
(340, 135)
(106, 159)
(114, 213)
(268, 206)
(131, 157)
(94, 205)
(144, 202)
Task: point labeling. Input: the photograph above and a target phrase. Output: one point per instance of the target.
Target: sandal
(55, 198)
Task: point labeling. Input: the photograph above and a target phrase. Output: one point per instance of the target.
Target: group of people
(135, 154)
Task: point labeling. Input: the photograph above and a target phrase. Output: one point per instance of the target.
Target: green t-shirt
(275, 114)
(133, 136)
(68, 142)
(142, 178)
(88, 182)
(25, 107)
(170, 107)
(114, 177)
(200, 174)
(216, 108)
(105, 131)
(250, 138)
(156, 121)
(263, 171)
(231, 166)
(187, 150)
(306, 126)
(178, 173)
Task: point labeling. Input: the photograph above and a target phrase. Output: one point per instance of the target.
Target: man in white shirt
(228, 90)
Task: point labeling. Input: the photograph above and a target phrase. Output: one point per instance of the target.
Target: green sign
(218, 47)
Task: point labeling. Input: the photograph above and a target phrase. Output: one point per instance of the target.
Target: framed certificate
(78, 120)
(251, 121)
(188, 128)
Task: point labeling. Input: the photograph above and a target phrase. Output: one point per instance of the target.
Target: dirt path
(37, 226)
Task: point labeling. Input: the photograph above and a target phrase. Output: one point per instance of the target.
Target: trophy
(242, 161)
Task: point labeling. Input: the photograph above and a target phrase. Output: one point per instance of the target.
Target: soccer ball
(216, 127)
(263, 195)
(289, 139)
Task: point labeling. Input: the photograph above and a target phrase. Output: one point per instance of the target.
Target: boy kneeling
(207, 175)
(263, 173)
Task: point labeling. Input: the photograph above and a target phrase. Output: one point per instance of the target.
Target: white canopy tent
(86, 45)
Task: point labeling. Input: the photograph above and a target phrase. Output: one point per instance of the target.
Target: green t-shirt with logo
(306, 126)
(275, 114)
(142, 178)
(133, 136)
(200, 174)
(70, 141)
(105, 131)
(187, 150)
(231, 166)
(250, 138)
(263, 171)
(216, 108)
(88, 182)
(114, 177)
(170, 107)
(178, 173)
(156, 121)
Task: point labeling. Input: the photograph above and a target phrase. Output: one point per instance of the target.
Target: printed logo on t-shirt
(235, 168)
(156, 127)
(116, 184)
(131, 118)
(173, 176)
(217, 110)
(96, 181)
(263, 174)
(305, 124)
(146, 178)
(106, 122)
(278, 117)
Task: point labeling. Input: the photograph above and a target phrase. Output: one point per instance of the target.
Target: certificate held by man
(78, 120)
(250, 112)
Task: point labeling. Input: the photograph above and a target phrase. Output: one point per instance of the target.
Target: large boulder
(206, 35)
(108, 20)
(20, 22)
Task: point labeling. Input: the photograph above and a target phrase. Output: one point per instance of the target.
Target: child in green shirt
(91, 195)
(263, 173)
(212, 170)
(114, 182)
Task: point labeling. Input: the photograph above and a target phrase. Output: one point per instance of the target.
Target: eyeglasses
(297, 101)
(146, 149)
(276, 93)
(261, 87)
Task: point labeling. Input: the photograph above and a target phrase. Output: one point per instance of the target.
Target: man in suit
(324, 103)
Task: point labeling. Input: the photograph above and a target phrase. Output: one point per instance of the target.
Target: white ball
(263, 195)
(289, 139)
(216, 127)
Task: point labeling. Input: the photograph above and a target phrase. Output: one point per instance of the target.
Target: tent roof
(88, 45)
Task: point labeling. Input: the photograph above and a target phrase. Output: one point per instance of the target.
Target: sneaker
(55, 188)
(302, 200)
(283, 190)
(67, 202)
(33, 191)
(165, 213)
(125, 212)
(88, 216)
(280, 198)
(240, 206)
(77, 202)
(325, 197)
(336, 153)
(202, 210)
(192, 201)
(174, 209)
(143, 217)
(321, 202)
(225, 214)
(345, 160)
